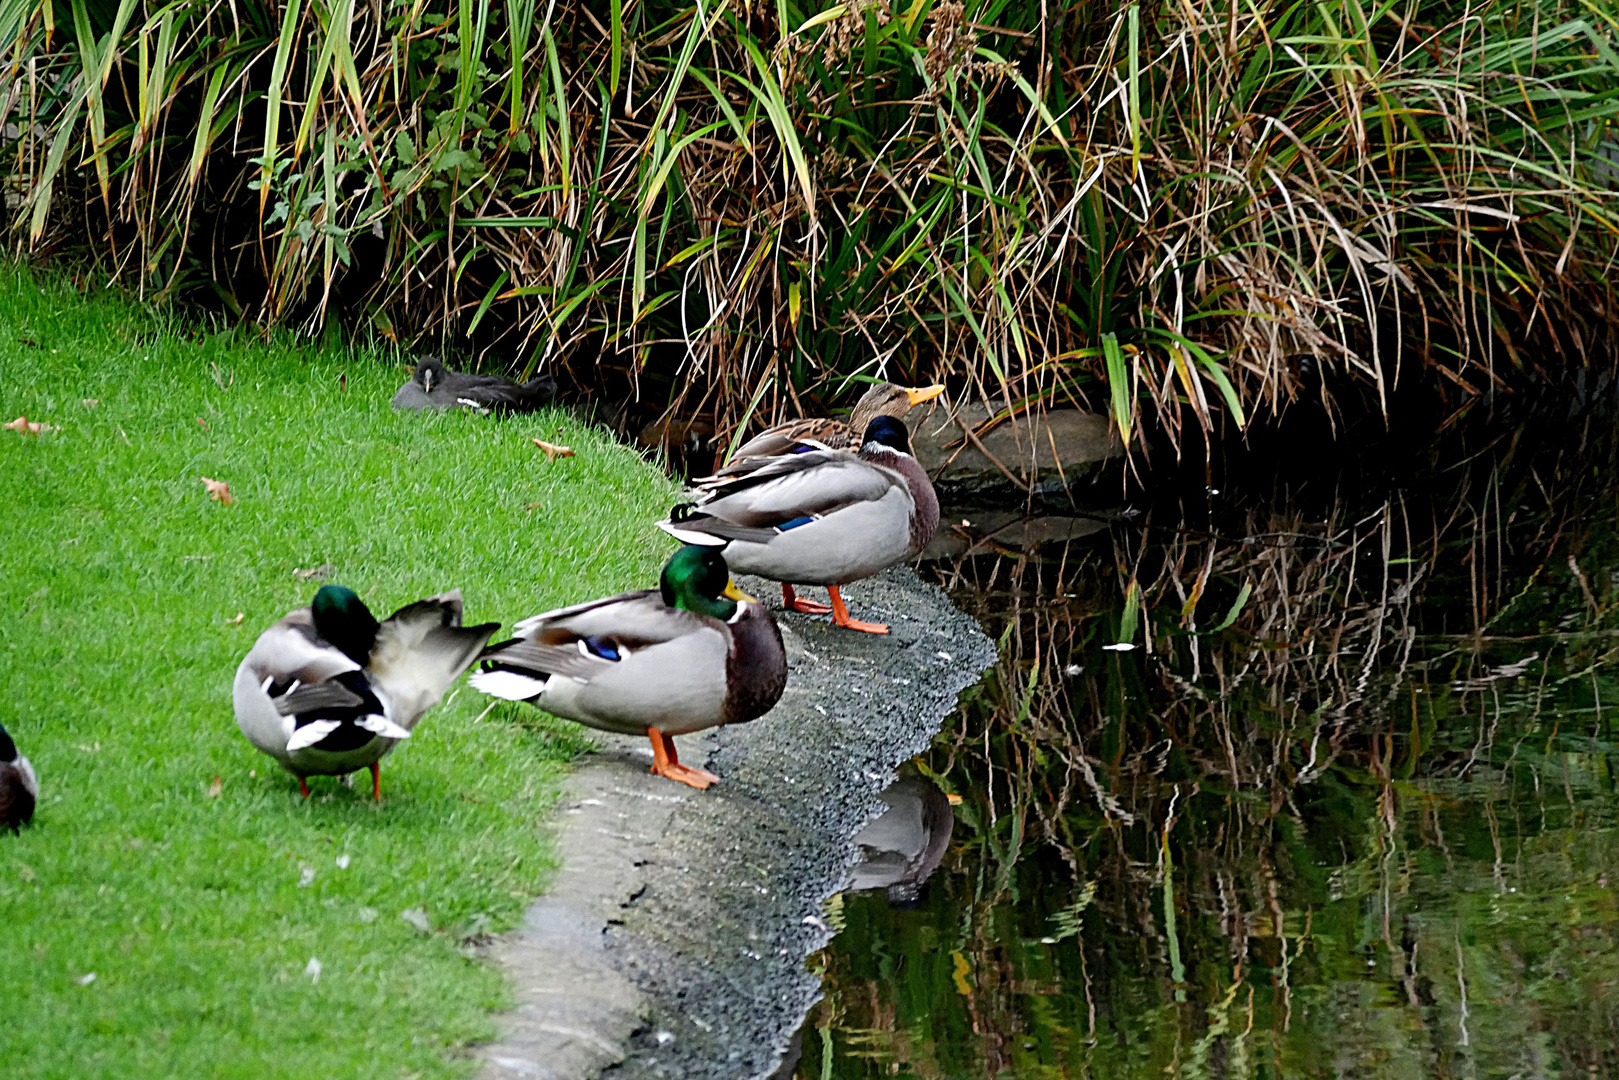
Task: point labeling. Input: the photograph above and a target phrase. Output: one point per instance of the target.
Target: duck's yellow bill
(733, 593)
(920, 394)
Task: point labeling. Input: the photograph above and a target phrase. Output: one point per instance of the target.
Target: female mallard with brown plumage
(692, 654)
(817, 517)
(883, 399)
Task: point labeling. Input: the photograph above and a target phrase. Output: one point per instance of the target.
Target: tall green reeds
(1174, 211)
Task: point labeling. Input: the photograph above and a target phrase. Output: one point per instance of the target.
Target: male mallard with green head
(883, 399)
(692, 654)
(329, 690)
(817, 517)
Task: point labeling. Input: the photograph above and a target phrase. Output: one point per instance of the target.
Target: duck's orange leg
(376, 781)
(791, 601)
(303, 786)
(840, 615)
(666, 763)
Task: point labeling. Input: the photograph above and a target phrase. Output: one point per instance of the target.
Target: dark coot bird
(329, 690)
(19, 787)
(433, 387)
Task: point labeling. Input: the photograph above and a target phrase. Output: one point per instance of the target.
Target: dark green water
(1347, 809)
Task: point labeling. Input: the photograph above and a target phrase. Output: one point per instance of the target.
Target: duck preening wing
(421, 649)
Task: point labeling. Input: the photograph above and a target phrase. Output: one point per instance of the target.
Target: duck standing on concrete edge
(434, 387)
(19, 787)
(329, 690)
(692, 654)
(883, 399)
(817, 517)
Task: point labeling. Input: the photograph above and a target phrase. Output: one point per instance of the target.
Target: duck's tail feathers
(507, 685)
(312, 733)
(381, 725)
(688, 535)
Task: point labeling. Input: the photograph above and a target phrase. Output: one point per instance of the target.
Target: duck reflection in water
(900, 850)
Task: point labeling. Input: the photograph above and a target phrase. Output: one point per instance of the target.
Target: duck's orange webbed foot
(666, 763)
(840, 616)
(791, 601)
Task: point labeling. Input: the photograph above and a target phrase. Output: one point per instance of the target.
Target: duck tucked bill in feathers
(695, 653)
(434, 387)
(329, 690)
(819, 517)
(19, 787)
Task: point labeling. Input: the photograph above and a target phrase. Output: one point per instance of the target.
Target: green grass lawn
(122, 582)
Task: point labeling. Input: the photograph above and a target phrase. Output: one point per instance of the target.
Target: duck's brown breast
(756, 669)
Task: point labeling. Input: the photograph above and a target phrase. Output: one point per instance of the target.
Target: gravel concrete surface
(672, 942)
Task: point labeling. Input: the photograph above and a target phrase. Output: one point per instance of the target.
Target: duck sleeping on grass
(19, 787)
(883, 399)
(329, 690)
(692, 654)
(434, 387)
(817, 516)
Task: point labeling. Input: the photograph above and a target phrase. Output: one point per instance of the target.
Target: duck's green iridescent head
(342, 619)
(696, 579)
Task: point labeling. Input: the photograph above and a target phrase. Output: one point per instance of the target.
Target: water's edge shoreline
(672, 940)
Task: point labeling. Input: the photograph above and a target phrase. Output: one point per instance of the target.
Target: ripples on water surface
(1346, 809)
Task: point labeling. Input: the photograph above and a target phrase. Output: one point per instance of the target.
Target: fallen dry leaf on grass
(240, 615)
(24, 426)
(218, 490)
(320, 571)
(216, 787)
(552, 450)
(90, 402)
(203, 424)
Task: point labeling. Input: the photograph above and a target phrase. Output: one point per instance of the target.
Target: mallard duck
(433, 387)
(329, 690)
(883, 399)
(19, 787)
(900, 850)
(692, 654)
(817, 516)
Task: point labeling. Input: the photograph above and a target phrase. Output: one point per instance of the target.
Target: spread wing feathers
(443, 609)
(569, 660)
(764, 492)
(289, 651)
(421, 649)
(632, 620)
(313, 698)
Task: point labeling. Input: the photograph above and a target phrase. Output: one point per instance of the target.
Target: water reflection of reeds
(1345, 809)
